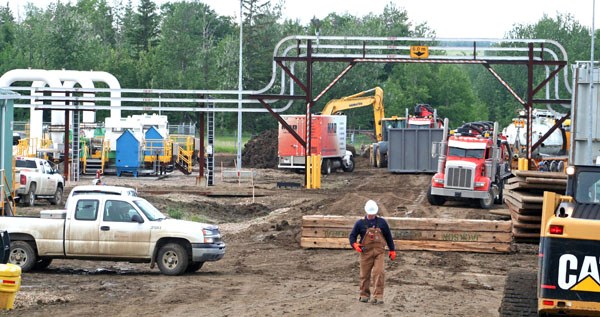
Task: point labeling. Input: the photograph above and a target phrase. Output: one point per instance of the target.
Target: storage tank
(543, 120)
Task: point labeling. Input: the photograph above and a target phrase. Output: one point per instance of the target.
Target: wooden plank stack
(523, 194)
(432, 234)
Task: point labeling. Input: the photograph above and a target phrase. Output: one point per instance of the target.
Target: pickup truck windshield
(150, 211)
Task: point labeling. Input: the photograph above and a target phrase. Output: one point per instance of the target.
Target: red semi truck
(328, 139)
(473, 164)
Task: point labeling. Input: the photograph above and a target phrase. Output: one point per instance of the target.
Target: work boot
(363, 299)
(377, 301)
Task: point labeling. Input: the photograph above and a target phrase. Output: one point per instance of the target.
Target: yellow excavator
(381, 123)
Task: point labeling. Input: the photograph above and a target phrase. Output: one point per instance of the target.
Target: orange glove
(357, 247)
(392, 255)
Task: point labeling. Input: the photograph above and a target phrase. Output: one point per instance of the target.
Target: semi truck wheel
(23, 255)
(434, 199)
(488, 201)
(520, 294)
(172, 259)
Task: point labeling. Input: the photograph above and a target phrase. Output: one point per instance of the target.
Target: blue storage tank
(128, 154)
(154, 142)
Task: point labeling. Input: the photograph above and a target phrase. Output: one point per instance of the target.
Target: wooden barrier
(432, 234)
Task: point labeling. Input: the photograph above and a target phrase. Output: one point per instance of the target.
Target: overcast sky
(449, 18)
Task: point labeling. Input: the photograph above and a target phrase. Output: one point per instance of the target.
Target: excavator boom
(359, 100)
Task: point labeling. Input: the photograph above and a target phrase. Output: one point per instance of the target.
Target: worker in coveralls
(375, 234)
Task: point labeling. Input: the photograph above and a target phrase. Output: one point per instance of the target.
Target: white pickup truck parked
(36, 178)
(113, 228)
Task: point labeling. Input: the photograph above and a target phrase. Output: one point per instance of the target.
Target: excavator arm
(359, 100)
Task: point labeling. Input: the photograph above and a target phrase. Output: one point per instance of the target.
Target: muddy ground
(264, 271)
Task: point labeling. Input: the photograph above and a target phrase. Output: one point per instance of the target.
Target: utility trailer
(328, 139)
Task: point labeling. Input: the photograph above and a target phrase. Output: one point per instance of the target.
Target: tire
(30, 197)
(520, 294)
(378, 162)
(58, 195)
(172, 259)
(372, 157)
(194, 266)
(326, 168)
(500, 199)
(488, 201)
(42, 264)
(350, 167)
(23, 255)
(434, 199)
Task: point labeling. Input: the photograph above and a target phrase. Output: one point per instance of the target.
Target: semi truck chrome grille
(459, 177)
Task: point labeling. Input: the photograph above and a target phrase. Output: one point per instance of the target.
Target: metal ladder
(210, 158)
(74, 175)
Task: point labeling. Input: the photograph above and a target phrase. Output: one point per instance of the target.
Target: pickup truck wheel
(30, 197)
(194, 266)
(172, 259)
(57, 199)
(23, 255)
(42, 264)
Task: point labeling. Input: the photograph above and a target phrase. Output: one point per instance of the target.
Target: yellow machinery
(360, 100)
(184, 152)
(567, 282)
(378, 150)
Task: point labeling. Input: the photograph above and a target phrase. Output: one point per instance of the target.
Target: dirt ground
(264, 271)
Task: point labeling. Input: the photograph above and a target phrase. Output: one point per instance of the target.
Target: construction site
(465, 202)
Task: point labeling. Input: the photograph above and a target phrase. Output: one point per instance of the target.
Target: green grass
(175, 213)
(227, 144)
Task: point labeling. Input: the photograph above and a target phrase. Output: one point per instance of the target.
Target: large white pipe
(41, 78)
(70, 78)
(113, 84)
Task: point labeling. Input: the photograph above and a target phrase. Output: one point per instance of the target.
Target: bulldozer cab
(586, 185)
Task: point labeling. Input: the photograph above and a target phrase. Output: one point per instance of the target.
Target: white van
(100, 189)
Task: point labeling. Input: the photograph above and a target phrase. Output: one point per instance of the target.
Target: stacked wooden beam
(432, 234)
(523, 194)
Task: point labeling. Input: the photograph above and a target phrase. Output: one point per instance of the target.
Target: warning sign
(419, 52)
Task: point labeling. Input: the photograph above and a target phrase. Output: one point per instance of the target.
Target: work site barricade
(10, 282)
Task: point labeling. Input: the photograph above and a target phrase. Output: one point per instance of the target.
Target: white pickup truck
(36, 178)
(113, 228)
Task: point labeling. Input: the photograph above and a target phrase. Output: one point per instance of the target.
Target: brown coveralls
(371, 264)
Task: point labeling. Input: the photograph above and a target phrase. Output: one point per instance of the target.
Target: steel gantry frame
(363, 54)
(350, 50)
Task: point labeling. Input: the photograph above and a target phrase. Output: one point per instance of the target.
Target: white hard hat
(371, 207)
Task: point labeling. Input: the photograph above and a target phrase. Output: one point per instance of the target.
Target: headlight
(438, 180)
(210, 235)
(479, 184)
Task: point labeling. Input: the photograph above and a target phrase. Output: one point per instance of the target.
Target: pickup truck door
(46, 179)
(81, 229)
(119, 235)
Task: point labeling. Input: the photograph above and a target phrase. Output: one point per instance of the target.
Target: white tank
(543, 120)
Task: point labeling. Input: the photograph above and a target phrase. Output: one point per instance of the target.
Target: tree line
(187, 45)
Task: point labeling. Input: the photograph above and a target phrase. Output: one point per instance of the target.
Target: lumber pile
(523, 194)
(431, 234)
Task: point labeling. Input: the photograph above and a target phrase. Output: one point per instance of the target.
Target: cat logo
(576, 276)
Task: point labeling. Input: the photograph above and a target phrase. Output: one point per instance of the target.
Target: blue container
(129, 154)
(154, 142)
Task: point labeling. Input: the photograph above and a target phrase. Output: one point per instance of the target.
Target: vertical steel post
(309, 101)
(529, 102)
